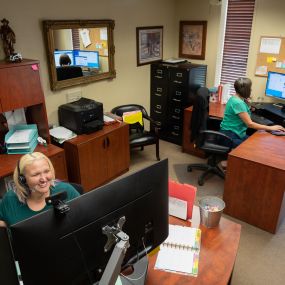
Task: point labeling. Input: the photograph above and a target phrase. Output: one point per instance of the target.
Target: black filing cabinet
(173, 89)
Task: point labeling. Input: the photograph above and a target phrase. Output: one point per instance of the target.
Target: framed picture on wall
(149, 44)
(192, 39)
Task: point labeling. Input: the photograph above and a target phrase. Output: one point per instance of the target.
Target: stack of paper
(179, 253)
(61, 134)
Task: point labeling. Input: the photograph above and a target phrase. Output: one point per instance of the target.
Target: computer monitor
(86, 58)
(69, 249)
(275, 85)
(58, 53)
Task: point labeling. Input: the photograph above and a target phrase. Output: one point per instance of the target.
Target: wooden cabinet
(96, 158)
(20, 87)
(172, 89)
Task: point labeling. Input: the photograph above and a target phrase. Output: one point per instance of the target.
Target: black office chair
(78, 187)
(139, 137)
(68, 72)
(215, 144)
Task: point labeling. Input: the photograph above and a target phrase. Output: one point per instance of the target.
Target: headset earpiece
(21, 178)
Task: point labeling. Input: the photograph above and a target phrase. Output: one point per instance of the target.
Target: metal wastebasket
(211, 209)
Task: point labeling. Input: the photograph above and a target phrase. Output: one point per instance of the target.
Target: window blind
(237, 39)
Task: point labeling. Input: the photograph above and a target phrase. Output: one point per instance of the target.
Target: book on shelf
(179, 253)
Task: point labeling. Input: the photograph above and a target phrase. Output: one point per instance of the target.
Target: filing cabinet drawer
(176, 114)
(159, 73)
(159, 93)
(175, 130)
(178, 93)
(179, 76)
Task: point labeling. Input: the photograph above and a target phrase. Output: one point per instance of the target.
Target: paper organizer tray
(21, 139)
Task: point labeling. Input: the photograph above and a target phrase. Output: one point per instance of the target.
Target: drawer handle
(158, 107)
(159, 71)
(176, 81)
(176, 100)
(175, 134)
(159, 89)
(176, 117)
(157, 112)
(157, 94)
(179, 74)
(159, 77)
(178, 93)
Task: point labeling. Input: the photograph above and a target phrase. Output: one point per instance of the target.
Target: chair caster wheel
(189, 168)
(200, 182)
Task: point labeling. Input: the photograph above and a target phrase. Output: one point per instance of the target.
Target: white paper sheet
(270, 45)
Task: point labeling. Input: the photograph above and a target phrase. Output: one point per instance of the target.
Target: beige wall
(269, 20)
(132, 83)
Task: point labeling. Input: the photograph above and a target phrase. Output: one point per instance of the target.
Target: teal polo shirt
(13, 211)
(232, 121)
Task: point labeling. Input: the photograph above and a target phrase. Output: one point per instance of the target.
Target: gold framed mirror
(79, 51)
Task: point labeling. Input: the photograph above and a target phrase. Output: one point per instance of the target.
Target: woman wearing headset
(237, 114)
(34, 178)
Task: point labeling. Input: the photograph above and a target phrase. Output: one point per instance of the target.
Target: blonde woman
(34, 177)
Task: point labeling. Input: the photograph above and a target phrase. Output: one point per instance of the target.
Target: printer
(83, 116)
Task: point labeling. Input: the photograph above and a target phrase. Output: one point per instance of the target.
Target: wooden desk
(255, 181)
(215, 110)
(56, 154)
(217, 256)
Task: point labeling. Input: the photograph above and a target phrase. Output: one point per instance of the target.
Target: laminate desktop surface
(217, 255)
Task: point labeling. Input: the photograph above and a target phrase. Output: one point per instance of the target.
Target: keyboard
(273, 109)
(261, 120)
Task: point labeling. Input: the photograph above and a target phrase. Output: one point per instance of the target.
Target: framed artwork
(192, 39)
(149, 44)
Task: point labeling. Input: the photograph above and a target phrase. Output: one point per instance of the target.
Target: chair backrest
(120, 110)
(67, 72)
(78, 187)
(200, 112)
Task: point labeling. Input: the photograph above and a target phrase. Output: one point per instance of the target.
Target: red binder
(184, 192)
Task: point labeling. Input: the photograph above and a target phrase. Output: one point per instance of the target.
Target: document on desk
(179, 253)
(61, 134)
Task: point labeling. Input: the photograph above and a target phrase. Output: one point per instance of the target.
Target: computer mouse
(278, 133)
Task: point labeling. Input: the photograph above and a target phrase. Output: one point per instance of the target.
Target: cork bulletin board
(271, 55)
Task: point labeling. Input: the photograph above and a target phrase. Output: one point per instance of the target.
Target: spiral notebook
(179, 253)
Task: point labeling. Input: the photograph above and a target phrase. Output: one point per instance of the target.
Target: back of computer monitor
(70, 249)
(8, 273)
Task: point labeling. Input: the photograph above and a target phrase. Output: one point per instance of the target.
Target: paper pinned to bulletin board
(271, 55)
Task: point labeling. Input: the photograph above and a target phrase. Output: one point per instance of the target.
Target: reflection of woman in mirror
(64, 59)
(66, 70)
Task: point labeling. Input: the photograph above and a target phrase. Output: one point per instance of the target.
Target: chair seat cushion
(214, 148)
(142, 139)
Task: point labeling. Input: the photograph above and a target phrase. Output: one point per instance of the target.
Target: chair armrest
(151, 120)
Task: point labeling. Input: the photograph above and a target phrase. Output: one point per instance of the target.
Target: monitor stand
(138, 276)
(113, 268)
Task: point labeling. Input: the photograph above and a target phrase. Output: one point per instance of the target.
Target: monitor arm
(115, 235)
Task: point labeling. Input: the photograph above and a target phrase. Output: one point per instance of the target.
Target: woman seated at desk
(66, 70)
(237, 114)
(34, 178)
